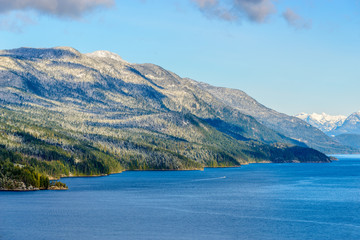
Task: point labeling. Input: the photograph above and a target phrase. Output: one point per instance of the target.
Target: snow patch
(106, 54)
(323, 121)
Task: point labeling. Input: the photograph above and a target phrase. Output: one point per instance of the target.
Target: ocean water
(257, 201)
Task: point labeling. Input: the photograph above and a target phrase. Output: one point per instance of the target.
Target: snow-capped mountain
(323, 121)
(105, 55)
(345, 130)
(351, 125)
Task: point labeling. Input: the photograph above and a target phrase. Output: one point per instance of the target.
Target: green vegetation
(58, 185)
(16, 172)
(12, 177)
(32, 151)
(80, 116)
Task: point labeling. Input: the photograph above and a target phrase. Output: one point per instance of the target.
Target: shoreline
(177, 170)
(33, 190)
(136, 170)
(152, 170)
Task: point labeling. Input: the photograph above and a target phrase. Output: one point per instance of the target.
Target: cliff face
(96, 113)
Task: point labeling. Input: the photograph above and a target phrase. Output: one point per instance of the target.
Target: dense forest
(16, 173)
(32, 152)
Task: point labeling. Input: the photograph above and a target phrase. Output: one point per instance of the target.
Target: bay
(256, 201)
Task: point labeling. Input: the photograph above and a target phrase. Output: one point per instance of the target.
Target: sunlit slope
(289, 126)
(97, 114)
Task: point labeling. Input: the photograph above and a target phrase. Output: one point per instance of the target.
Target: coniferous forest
(63, 113)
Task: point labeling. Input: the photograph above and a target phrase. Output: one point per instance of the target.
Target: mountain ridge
(345, 130)
(351, 125)
(66, 112)
(323, 121)
(282, 123)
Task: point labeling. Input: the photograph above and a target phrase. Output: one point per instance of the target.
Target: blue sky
(293, 56)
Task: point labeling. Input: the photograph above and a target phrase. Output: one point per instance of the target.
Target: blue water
(258, 201)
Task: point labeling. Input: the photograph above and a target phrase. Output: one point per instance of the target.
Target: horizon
(284, 54)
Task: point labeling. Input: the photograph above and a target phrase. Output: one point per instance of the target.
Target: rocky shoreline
(31, 189)
(17, 186)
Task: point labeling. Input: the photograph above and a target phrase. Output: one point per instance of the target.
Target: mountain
(351, 125)
(67, 113)
(333, 125)
(349, 140)
(345, 130)
(349, 132)
(288, 126)
(324, 122)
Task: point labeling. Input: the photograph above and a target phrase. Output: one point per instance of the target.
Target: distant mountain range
(351, 125)
(345, 130)
(67, 113)
(324, 122)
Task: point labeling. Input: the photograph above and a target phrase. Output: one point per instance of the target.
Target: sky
(291, 55)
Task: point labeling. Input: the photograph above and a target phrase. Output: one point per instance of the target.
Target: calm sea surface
(258, 201)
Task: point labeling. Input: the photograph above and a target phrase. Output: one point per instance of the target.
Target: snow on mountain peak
(323, 121)
(105, 54)
(354, 118)
(333, 125)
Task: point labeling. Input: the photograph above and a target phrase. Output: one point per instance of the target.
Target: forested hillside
(70, 114)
